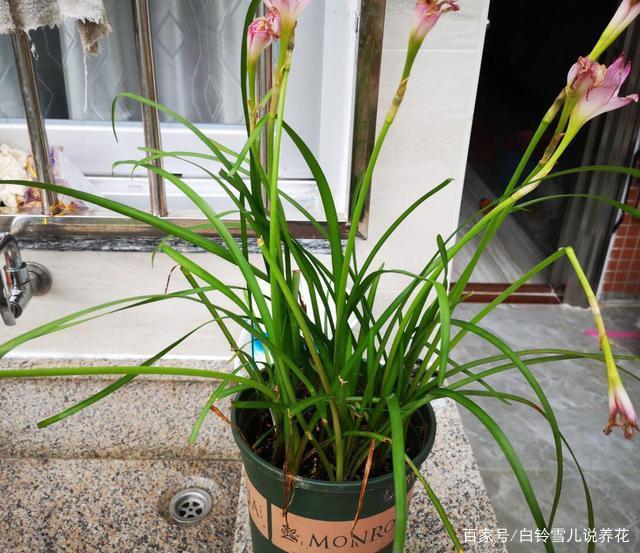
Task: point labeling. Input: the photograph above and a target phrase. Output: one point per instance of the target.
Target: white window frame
(92, 147)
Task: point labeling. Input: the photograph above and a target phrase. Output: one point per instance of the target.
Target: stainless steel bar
(150, 117)
(35, 120)
(16, 288)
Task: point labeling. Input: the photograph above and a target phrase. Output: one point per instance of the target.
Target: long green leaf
(114, 386)
(451, 531)
(634, 212)
(211, 144)
(591, 546)
(535, 386)
(445, 330)
(326, 197)
(509, 452)
(73, 318)
(134, 370)
(248, 271)
(133, 213)
(253, 137)
(403, 216)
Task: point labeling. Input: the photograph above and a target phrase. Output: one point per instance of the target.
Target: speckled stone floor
(112, 505)
(102, 481)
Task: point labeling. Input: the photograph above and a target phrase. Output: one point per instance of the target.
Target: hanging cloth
(27, 15)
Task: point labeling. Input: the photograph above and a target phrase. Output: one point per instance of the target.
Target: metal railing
(148, 89)
(35, 119)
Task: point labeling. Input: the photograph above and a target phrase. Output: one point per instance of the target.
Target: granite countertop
(139, 244)
(102, 481)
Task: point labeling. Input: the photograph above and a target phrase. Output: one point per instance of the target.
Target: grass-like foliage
(345, 372)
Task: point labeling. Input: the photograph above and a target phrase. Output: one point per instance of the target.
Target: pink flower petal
(595, 88)
(427, 13)
(621, 412)
(624, 16)
(260, 35)
(289, 10)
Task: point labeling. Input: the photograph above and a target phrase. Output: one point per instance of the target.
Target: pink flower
(426, 15)
(273, 17)
(594, 88)
(621, 412)
(288, 10)
(262, 32)
(627, 12)
(585, 75)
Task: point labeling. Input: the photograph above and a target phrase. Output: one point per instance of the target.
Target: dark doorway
(528, 52)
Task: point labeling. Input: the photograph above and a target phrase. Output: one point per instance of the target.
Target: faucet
(20, 280)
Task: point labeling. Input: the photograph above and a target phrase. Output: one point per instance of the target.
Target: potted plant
(334, 420)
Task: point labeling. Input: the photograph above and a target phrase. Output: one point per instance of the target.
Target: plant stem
(286, 44)
(361, 198)
(277, 108)
(548, 118)
(508, 202)
(613, 375)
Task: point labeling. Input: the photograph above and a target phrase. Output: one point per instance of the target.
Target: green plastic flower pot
(321, 513)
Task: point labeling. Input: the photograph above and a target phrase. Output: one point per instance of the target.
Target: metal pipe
(16, 289)
(148, 89)
(19, 281)
(35, 120)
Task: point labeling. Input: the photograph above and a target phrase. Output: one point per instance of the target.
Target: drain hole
(190, 506)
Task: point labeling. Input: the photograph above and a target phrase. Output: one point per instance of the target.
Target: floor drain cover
(190, 506)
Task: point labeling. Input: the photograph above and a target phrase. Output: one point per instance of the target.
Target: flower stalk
(621, 411)
(426, 14)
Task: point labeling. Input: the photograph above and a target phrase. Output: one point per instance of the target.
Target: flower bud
(262, 32)
(426, 15)
(288, 10)
(624, 16)
(621, 411)
(627, 12)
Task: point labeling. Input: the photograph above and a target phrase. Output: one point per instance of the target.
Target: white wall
(430, 138)
(427, 144)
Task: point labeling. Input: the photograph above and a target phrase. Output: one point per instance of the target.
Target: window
(196, 53)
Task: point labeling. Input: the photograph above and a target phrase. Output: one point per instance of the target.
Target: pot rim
(303, 482)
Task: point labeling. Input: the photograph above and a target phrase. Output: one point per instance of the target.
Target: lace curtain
(197, 60)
